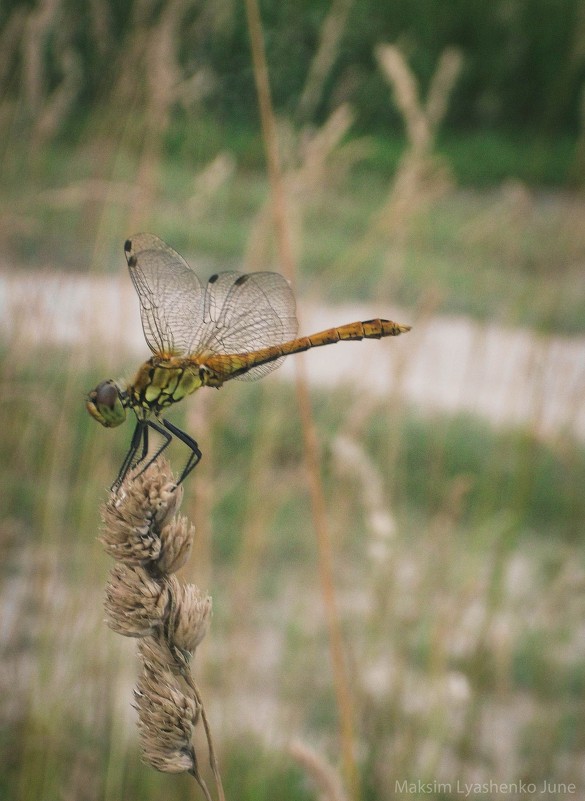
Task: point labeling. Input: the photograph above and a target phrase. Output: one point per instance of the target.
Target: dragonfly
(238, 325)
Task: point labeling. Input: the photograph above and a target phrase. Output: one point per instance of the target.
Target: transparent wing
(243, 312)
(171, 296)
(235, 313)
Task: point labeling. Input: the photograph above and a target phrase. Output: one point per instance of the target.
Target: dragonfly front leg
(139, 436)
(195, 455)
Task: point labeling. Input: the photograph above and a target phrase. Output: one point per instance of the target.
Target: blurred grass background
(439, 177)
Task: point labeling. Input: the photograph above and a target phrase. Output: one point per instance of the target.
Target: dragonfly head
(106, 404)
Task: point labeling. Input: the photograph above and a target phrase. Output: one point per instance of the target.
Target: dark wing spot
(241, 280)
(213, 278)
(130, 257)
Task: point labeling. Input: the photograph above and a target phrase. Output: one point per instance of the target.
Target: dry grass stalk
(352, 458)
(306, 165)
(144, 599)
(46, 110)
(162, 75)
(37, 30)
(209, 181)
(153, 79)
(101, 24)
(325, 777)
(11, 37)
(313, 160)
(288, 262)
(206, 184)
(421, 177)
(330, 37)
(443, 81)
(578, 166)
(91, 189)
(61, 99)
(405, 89)
(422, 120)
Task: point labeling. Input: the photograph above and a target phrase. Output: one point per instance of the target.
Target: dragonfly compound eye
(104, 403)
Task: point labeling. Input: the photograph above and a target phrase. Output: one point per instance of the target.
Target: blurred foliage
(524, 59)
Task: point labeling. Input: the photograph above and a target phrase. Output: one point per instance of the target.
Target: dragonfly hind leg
(167, 441)
(140, 436)
(194, 457)
(139, 442)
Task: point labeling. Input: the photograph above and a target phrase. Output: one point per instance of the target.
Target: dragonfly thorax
(160, 382)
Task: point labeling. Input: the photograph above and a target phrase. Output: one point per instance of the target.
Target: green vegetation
(523, 59)
(492, 518)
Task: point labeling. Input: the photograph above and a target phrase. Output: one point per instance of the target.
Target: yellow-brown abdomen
(226, 366)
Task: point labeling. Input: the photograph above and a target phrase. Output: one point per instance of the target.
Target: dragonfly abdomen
(369, 329)
(222, 367)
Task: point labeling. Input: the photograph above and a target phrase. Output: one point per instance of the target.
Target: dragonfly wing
(170, 293)
(243, 312)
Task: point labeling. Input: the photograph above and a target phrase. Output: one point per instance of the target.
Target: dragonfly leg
(195, 455)
(140, 435)
(167, 440)
(140, 442)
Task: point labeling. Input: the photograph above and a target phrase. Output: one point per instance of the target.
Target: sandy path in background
(446, 364)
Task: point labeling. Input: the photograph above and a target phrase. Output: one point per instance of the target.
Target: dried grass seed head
(162, 704)
(167, 717)
(190, 618)
(176, 540)
(181, 760)
(127, 537)
(135, 516)
(136, 604)
(157, 654)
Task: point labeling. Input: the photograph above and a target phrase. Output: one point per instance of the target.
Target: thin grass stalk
(11, 39)
(201, 499)
(341, 682)
(324, 776)
(331, 34)
(311, 165)
(420, 177)
(162, 76)
(503, 543)
(60, 100)
(37, 30)
(109, 221)
(255, 518)
(578, 165)
(270, 137)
